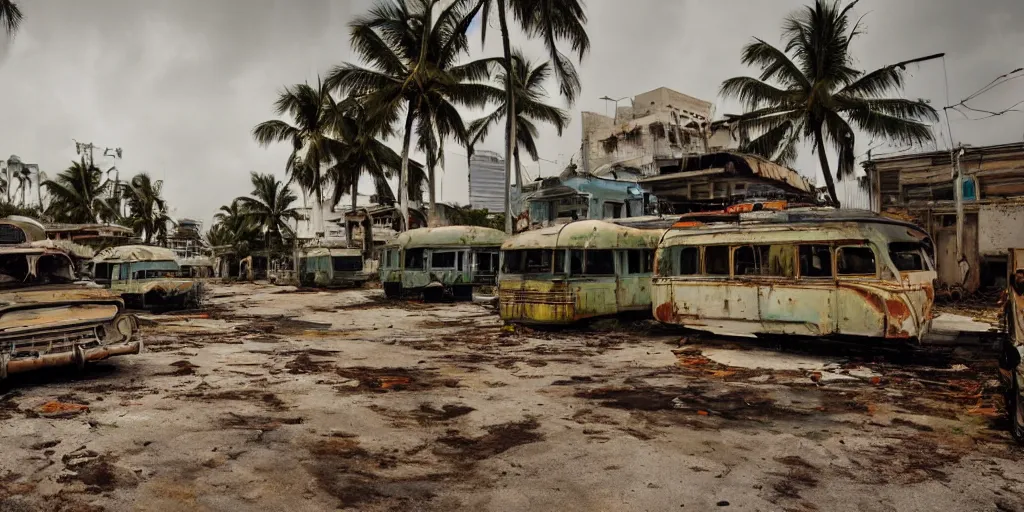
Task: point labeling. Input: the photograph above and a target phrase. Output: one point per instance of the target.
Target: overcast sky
(179, 84)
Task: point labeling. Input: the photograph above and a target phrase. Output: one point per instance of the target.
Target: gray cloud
(179, 84)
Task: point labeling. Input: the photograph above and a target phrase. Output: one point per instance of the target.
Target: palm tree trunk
(403, 177)
(355, 194)
(432, 217)
(517, 205)
(510, 134)
(825, 171)
(318, 199)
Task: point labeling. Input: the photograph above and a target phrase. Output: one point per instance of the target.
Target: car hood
(55, 295)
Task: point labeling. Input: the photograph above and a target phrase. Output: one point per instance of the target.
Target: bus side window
(575, 262)
(689, 261)
(716, 260)
(856, 261)
(815, 261)
(414, 259)
(745, 261)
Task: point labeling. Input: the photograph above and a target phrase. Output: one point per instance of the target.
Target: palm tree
(819, 94)
(362, 152)
(414, 58)
(10, 17)
(554, 21)
(147, 209)
(270, 207)
(311, 110)
(233, 227)
(528, 89)
(76, 194)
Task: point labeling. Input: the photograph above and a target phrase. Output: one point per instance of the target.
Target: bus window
(576, 262)
(414, 259)
(442, 260)
(745, 261)
(538, 261)
(776, 260)
(815, 261)
(559, 261)
(689, 261)
(513, 262)
(639, 261)
(716, 260)
(600, 263)
(856, 261)
(907, 256)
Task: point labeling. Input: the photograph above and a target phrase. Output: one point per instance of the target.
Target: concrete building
(577, 196)
(658, 129)
(487, 181)
(971, 240)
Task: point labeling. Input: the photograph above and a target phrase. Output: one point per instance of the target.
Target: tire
(1015, 411)
(433, 294)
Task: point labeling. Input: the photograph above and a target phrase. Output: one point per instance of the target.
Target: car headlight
(126, 326)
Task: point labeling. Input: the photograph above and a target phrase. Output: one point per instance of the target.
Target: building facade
(973, 211)
(487, 181)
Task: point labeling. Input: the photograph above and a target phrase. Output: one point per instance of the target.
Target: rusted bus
(440, 262)
(146, 277)
(1011, 357)
(47, 318)
(584, 269)
(331, 266)
(812, 272)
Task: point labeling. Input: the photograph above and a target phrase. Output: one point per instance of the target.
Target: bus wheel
(392, 290)
(463, 292)
(1015, 409)
(433, 294)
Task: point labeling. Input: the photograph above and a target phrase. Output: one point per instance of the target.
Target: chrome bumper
(78, 356)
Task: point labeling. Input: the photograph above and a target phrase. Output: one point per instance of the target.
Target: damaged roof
(449, 236)
(587, 234)
(134, 253)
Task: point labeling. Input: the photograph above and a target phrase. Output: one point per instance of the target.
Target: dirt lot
(284, 400)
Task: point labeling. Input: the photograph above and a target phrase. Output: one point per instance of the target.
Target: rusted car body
(1010, 358)
(46, 319)
(439, 262)
(584, 269)
(331, 267)
(146, 277)
(805, 271)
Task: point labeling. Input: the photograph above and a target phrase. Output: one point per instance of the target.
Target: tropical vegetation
(10, 17)
(809, 90)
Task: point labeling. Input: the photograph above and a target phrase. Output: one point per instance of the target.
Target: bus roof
(134, 253)
(587, 234)
(449, 236)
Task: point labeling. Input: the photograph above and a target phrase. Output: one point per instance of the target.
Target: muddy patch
(498, 439)
(358, 478)
(281, 326)
(98, 473)
(303, 363)
(735, 404)
(266, 399)
(181, 368)
(262, 423)
(424, 415)
(361, 378)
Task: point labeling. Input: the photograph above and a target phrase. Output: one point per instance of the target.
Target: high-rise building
(487, 181)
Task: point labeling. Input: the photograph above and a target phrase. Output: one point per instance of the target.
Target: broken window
(600, 263)
(486, 262)
(855, 261)
(744, 261)
(640, 261)
(13, 269)
(414, 259)
(815, 261)
(776, 260)
(907, 256)
(689, 261)
(347, 263)
(716, 260)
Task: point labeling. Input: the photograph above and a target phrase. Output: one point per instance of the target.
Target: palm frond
(755, 94)
(774, 64)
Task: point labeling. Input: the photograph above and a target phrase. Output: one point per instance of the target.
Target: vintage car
(1010, 368)
(584, 269)
(146, 277)
(331, 266)
(46, 318)
(805, 271)
(438, 262)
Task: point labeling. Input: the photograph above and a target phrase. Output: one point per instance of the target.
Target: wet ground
(279, 399)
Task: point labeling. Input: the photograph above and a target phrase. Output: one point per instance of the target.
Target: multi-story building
(487, 181)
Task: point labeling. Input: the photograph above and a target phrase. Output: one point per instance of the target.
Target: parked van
(146, 276)
(805, 271)
(439, 262)
(583, 269)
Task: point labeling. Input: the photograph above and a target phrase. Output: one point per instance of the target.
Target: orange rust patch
(665, 312)
(898, 311)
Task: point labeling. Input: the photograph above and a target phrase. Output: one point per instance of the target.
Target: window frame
(704, 261)
(837, 251)
(832, 261)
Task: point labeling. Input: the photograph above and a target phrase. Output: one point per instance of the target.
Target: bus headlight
(126, 326)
